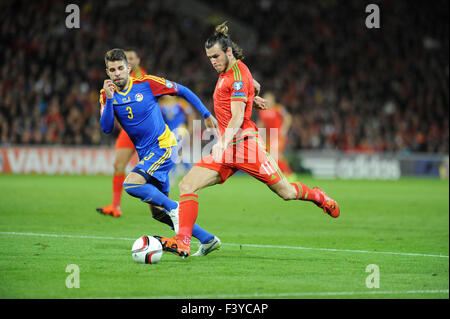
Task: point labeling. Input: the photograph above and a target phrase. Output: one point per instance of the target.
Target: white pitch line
(343, 250)
(296, 294)
(233, 244)
(64, 236)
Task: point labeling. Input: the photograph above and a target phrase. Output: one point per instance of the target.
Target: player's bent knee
(119, 167)
(123, 156)
(185, 187)
(288, 194)
(134, 178)
(285, 195)
(285, 191)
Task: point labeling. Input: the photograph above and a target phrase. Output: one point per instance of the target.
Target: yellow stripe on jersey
(152, 77)
(157, 79)
(167, 138)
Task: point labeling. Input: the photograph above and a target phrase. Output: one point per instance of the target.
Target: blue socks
(201, 234)
(150, 194)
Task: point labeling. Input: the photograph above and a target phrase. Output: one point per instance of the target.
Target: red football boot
(110, 210)
(329, 205)
(175, 246)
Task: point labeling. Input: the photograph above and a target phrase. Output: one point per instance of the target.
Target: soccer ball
(147, 250)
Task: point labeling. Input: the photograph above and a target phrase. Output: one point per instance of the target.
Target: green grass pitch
(271, 248)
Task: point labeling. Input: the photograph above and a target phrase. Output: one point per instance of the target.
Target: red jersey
(246, 152)
(235, 84)
(273, 117)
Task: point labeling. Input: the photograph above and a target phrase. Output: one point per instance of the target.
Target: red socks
(187, 214)
(117, 189)
(306, 193)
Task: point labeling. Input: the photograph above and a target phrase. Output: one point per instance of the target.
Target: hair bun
(222, 29)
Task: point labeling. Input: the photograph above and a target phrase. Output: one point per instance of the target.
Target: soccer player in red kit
(124, 148)
(239, 147)
(276, 117)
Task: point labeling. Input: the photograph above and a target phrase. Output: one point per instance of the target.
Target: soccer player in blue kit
(134, 103)
(179, 117)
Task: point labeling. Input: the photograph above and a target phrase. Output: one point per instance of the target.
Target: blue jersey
(175, 115)
(138, 112)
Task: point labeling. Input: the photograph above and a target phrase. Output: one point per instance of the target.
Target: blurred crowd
(348, 87)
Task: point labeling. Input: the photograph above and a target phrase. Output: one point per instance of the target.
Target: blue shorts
(156, 165)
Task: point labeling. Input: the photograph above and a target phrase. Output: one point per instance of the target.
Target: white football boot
(174, 216)
(205, 249)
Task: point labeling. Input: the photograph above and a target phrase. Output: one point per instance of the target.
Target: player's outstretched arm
(189, 96)
(107, 117)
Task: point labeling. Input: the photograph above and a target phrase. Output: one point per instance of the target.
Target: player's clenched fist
(108, 86)
(259, 103)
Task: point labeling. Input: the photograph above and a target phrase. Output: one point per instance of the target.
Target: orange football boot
(330, 206)
(110, 210)
(175, 246)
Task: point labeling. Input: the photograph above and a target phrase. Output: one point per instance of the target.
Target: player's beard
(226, 64)
(120, 83)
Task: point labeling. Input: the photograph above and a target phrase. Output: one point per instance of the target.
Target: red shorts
(124, 141)
(250, 156)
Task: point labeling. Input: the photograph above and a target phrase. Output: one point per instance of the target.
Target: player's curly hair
(115, 55)
(221, 36)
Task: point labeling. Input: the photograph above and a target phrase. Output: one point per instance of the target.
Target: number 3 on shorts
(130, 116)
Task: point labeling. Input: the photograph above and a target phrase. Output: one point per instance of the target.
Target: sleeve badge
(238, 85)
(169, 84)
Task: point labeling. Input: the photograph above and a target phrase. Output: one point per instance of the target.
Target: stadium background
(353, 91)
(348, 87)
